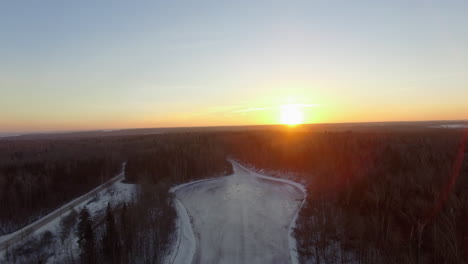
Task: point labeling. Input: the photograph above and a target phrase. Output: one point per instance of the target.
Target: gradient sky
(72, 65)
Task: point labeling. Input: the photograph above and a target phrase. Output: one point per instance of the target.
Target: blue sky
(115, 64)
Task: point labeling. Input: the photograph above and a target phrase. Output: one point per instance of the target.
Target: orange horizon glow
(287, 114)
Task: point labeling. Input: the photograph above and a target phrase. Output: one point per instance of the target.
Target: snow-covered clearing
(113, 192)
(242, 218)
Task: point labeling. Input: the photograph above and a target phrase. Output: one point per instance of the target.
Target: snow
(184, 248)
(246, 217)
(185, 244)
(96, 202)
(64, 209)
(242, 218)
(6, 135)
(452, 126)
(292, 226)
(115, 194)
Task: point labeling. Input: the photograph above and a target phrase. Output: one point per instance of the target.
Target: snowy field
(241, 218)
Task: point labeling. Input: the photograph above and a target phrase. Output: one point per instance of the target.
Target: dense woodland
(177, 158)
(373, 197)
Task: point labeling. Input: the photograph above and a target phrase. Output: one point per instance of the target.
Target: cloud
(252, 109)
(300, 105)
(236, 109)
(272, 107)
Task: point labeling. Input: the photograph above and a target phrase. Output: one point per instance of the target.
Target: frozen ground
(242, 218)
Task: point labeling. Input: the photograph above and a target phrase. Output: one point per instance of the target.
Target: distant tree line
(177, 158)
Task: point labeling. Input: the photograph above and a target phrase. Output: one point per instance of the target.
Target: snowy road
(10, 239)
(242, 218)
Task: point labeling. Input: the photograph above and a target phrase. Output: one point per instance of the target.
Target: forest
(373, 197)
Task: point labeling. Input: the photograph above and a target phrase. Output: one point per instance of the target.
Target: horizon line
(69, 131)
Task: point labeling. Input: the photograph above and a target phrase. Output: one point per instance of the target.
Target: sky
(78, 65)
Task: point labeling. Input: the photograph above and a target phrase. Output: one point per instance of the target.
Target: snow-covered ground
(7, 135)
(452, 126)
(114, 193)
(242, 218)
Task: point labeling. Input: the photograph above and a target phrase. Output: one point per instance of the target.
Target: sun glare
(291, 115)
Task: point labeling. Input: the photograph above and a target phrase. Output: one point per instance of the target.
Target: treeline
(177, 158)
(39, 176)
(372, 197)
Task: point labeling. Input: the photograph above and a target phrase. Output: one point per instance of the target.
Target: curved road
(241, 218)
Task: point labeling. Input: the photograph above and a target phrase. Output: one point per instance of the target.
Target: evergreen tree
(86, 237)
(125, 233)
(110, 240)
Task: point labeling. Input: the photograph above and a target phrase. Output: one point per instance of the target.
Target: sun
(291, 115)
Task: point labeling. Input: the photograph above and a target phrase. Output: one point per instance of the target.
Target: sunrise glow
(291, 115)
